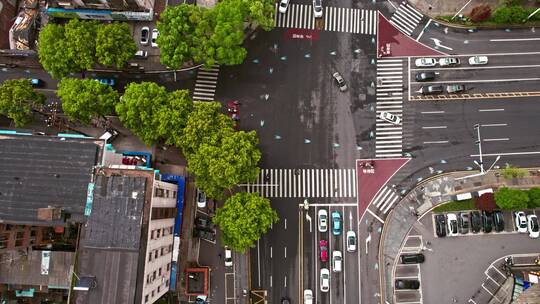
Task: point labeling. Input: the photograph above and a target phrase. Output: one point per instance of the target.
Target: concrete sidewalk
(434, 8)
(421, 199)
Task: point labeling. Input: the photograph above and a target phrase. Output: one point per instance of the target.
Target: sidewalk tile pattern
(406, 18)
(205, 84)
(337, 19)
(389, 137)
(305, 183)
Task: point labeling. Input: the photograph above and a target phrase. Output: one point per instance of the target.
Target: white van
(141, 54)
(337, 261)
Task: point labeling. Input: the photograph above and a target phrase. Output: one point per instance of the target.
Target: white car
(308, 296)
(283, 5)
(452, 224)
(325, 280)
(425, 62)
(478, 60)
(201, 198)
(449, 61)
(351, 241)
(155, 34)
(228, 257)
(389, 117)
(520, 220)
(323, 220)
(337, 261)
(532, 226)
(145, 32)
(317, 8)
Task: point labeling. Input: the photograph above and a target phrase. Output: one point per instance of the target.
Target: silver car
(389, 117)
(317, 8)
(478, 60)
(425, 62)
(340, 81)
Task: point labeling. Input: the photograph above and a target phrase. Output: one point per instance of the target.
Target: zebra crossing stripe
(205, 83)
(406, 18)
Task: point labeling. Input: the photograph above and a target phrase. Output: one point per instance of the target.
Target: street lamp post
(481, 163)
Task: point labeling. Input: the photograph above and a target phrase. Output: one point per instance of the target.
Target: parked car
(407, 284)
(201, 198)
(520, 221)
(228, 257)
(141, 54)
(532, 226)
(205, 223)
(389, 117)
(145, 33)
(337, 261)
(351, 241)
(317, 8)
(107, 81)
(449, 61)
(205, 235)
(455, 88)
(308, 296)
(440, 225)
(325, 280)
(452, 224)
(323, 248)
(476, 222)
(336, 223)
(425, 62)
(285, 300)
(36, 82)
(283, 5)
(487, 221)
(498, 221)
(340, 81)
(155, 34)
(478, 60)
(412, 258)
(323, 220)
(425, 76)
(432, 89)
(463, 222)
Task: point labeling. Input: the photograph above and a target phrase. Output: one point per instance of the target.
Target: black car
(204, 223)
(476, 221)
(425, 76)
(463, 222)
(407, 284)
(415, 258)
(498, 220)
(487, 221)
(440, 225)
(205, 235)
(432, 89)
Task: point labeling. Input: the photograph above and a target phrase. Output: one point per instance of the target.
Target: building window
(170, 247)
(146, 299)
(167, 193)
(150, 257)
(167, 283)
(159, 273)
(152, 293)
(168, 265)
(158, 289)
(161, 253)
(148, 279)
(158, 232)
(159, 192)
(18, 243)
(156, 255)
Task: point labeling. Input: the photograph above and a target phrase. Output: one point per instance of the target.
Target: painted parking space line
(496, 139)
(491, 110)
(494, 125)
(432, 112)
(435, 127)
(507, 154)
(436, 142)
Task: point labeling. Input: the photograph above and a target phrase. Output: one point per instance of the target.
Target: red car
(323, 246)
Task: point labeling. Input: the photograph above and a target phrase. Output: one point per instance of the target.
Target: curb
(482, 27)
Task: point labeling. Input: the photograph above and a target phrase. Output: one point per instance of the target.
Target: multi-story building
(102, 9)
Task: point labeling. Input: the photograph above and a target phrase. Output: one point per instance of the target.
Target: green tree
(52, 51)
(204, 125)
(243, 219)
(228, 34)
(509, 15)
(17, 100)
(80, 37)
(84, 99)
(222, 166)
(152, 113)
(534, 197)
(509, 199)
(260, 12)
(114, 44)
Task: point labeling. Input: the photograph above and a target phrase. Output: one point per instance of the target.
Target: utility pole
(479, 143)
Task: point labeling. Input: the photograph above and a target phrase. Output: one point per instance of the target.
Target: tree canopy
(243, 219)
(17, 100)
(509, 199)
(534, 197)
(152, 113)
(81, 41)
(83, 99)
(114, 45)
(53, 51)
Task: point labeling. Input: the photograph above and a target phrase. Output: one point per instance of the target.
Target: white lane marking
(374, 215)
(285, 285)
(490, 110)
(495, 125)
(496, 139)
(507, 154)
(285, 251)
(432, 112)
(271, 252)
(270, 280)
(482, 80)
(423, 30)
(436, 142)
(435, 127)
(285, 224)
(514, 39)
(259, 261)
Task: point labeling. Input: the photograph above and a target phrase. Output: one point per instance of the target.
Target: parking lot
(461, 267)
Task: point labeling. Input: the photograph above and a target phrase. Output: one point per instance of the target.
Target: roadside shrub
(513, 172)
(534, 197)
(509, 15)
(512, 2)
(509, 199)
(480, 13)
(485, 202)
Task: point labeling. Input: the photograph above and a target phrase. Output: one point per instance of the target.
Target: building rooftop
(42, 171)
(110, 241)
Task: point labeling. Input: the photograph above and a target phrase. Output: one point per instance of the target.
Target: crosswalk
(385, 199)
(389, 137)
(205, 84)
(337, 19)
(406, 18)
(305, 183)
